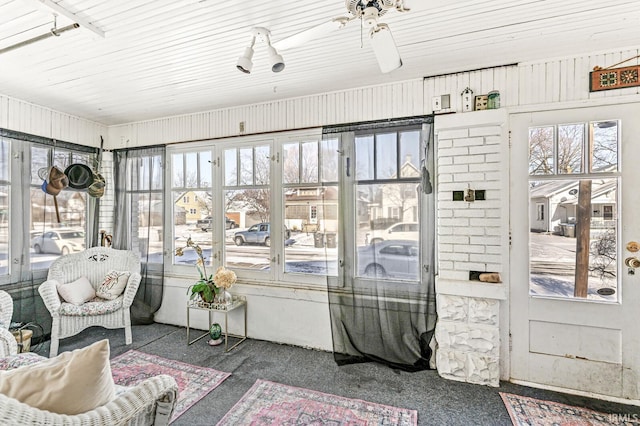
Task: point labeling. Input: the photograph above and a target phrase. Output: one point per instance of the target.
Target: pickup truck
(205, 224)
(257, 234)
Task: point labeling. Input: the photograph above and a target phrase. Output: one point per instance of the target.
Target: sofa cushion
(77, 292)
(113, 284)
(71, 383)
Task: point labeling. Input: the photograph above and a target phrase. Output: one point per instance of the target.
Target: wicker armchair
(8, 344)
(94, 263)
(151, 402)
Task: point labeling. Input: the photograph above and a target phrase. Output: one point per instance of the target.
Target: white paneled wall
(542, 83)
(369, 103)
(25, 117)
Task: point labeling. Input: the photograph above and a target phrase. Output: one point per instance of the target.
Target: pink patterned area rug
(525, 411)
(269, 403)
(194, 382)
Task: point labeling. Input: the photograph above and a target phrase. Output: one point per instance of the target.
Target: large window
(144, 193)
(247, 197)
(310, 195)
(300, 207)
(58, 223)
(36, 227)
(192, 203)
(574, 178)
(387, 204)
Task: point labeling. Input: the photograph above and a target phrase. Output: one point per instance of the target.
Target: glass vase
(224, 297)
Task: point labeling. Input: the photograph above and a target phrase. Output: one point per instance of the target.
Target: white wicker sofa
(94, 263)
(151, 402)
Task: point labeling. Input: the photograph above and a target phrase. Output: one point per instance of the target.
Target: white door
(575, 317)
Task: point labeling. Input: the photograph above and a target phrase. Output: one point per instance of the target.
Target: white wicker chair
(151, 402)
(8, 344)
(94, 263)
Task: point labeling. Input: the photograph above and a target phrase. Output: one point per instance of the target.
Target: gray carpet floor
(438, 401)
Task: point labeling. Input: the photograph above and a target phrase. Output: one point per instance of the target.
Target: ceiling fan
(369, 13)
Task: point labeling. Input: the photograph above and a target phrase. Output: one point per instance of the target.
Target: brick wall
(472, 153)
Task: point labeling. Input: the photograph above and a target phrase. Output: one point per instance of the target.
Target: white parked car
(397, 231)
(394, 259)
(60, 241)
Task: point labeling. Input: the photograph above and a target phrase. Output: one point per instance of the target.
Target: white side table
(237, 302)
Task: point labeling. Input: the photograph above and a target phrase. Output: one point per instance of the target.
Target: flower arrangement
(209, 285)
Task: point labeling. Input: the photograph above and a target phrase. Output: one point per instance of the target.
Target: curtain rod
(53, 32)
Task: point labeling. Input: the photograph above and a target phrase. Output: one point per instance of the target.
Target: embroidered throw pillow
(77, 292)
(71, 383)
(113, 285)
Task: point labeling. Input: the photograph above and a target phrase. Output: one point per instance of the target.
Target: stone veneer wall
(472, 152)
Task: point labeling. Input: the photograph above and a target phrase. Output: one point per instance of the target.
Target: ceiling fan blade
(311, 33)
(385, 48)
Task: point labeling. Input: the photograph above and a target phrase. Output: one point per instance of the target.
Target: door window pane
(604, 146)
(541, 145)
(570, 148)
(556, 240)
(574, 222)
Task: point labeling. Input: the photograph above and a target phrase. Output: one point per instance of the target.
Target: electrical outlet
(241, 127)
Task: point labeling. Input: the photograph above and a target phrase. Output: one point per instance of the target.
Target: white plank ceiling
(167, 57)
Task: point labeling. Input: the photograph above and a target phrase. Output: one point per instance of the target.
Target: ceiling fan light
(385, 48)
(370, 16)
(244, 63)
(275, 59)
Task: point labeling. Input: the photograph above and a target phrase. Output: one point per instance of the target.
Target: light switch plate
(436, 103)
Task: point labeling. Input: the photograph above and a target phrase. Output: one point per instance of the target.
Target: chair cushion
(95, 306)
(113, 284)
(71, 383)
(77, 292)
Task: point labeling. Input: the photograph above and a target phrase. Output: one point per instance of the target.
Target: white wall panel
(369, 103)
(25, 117)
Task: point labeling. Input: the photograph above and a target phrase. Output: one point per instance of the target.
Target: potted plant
(206, 288)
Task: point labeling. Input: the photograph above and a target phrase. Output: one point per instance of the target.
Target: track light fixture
(245, 63)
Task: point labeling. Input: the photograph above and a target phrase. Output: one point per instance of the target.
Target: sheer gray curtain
(139, 221)
(383, 305)
(26, 211)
